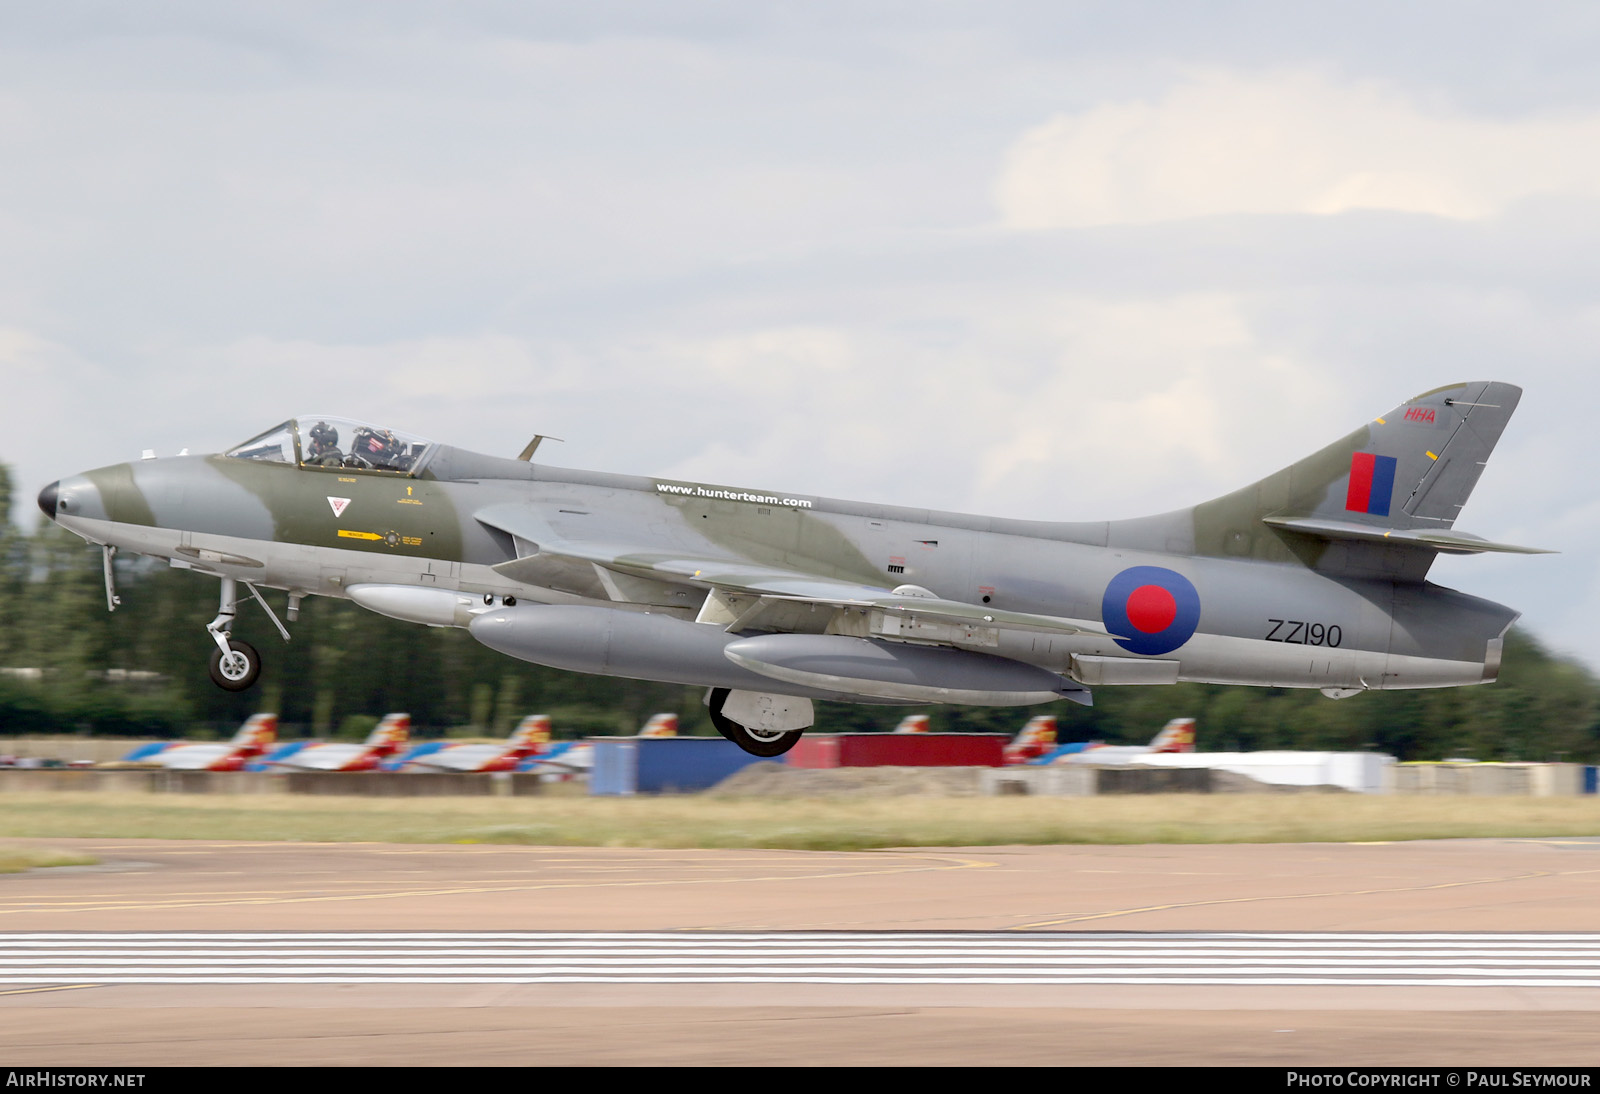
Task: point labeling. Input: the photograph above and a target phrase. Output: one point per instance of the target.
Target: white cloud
(1287, 142)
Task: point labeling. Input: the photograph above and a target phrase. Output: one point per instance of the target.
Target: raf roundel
(1151, 610)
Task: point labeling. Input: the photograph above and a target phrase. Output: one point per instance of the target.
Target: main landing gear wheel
(239, 669)
(757, 742)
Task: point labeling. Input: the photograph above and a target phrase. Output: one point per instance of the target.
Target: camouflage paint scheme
(1307, 578)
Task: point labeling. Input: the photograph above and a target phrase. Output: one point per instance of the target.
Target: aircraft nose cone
(47, 499)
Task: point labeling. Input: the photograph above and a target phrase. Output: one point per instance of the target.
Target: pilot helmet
(323, 437)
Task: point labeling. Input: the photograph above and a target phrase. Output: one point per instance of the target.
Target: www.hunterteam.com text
(731, 495)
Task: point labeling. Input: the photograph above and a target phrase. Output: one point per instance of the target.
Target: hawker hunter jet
(1314, 577)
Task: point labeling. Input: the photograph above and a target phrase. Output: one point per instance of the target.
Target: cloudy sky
(1051, 260)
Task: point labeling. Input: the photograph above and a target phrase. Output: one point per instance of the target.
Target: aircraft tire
(722, 725)
(237, 676)
(763, 745)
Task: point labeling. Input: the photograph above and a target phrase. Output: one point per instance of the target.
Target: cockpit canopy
(322, 440)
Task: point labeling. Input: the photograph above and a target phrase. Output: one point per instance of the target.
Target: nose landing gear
(235, 665)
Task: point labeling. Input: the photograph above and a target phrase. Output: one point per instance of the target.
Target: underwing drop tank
(900, 671)
(611, 642)
(643, 646)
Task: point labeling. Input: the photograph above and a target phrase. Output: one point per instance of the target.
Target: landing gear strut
(765, 740)
(235, 665)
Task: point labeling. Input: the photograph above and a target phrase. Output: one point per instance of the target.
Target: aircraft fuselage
(1158, 599)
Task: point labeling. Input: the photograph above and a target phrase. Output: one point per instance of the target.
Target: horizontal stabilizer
(1450, 543)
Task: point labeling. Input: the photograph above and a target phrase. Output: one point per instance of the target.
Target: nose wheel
(237, 669)
(235, 665)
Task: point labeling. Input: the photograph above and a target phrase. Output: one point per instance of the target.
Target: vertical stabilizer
(1033, 740)
(390, 735)
(531, 735)
(1379, 502)
(660, 725)
(258, 731)
(1176, 736)
(1419, 462)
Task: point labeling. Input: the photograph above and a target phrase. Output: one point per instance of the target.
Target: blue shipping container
(663, 765)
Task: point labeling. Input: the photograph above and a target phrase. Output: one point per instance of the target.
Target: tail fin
(258, 731)
(1176, 736)
(1385, 498)
(391, 734)
(531, 735)
(913, 723)
(660, 725)
(1034, 739)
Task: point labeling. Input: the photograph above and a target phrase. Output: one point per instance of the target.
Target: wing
(737, 593)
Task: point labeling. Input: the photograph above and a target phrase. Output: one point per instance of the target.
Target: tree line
(68, 665)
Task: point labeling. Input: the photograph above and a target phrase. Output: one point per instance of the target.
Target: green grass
(808, 824)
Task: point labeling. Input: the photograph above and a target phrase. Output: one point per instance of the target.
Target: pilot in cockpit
(323, 450)
(376, 448)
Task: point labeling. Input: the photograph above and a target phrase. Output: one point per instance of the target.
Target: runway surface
(1450, 952)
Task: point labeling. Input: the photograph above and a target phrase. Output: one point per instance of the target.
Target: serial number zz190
(1305, 634)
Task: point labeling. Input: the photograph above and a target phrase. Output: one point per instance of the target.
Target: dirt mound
(778, 780)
